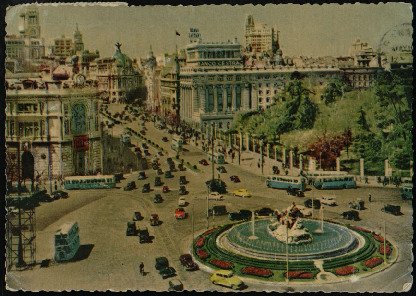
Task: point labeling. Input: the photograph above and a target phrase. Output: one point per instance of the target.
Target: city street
(113, 262)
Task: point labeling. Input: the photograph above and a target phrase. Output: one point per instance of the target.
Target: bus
(335, 182)
(66, 242)
(312, 175)
(90, 182)
(286, 182)
(177, 143)
(218, 158)
(406, 191)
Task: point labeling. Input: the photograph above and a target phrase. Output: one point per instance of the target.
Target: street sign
(81, 143)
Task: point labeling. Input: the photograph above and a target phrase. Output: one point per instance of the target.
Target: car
(165, 189)
(328, 200)
(217, 210)
(217, 185)
(130, 186)
(137, 216)
(306, 212)
(59, 194)
(161, 263)
(392, 209)
(158, 181)
(143, 235)
(165, 139)
(188, 263)
(154, 220)
(168, 174)
(235, 179)
(158, 198)
(167, 272)
(241, 215)
(175, 285)
(142, 175)
(171, 132)
(181, 201)
(226, 278)
(172, 167)
(264, 212)
(145, 146)
(215, 196)
(131, 228)
(147, 153)
(182, 180)
(159, 171)
(146, 188)
(295, 192)
(357, 204)
(351, 215)
(169, 160)
(143, 132)
(182, 190)
(180, 213)
(316, 203)
(118, 177)
(221, 169)
(42, 196)
(181, 167)
(241, 192)
(160, 153)
(203, 162)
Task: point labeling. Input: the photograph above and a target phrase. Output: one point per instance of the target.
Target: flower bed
(299, 275)
(202, 254)
(381, 249)
(378, 238)
(346, 270)
(200, 242)
(257, 271)
(221, 264)
(361, 229)
(373, 262)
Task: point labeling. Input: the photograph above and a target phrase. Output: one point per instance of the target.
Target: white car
(328, 200)
(182, 201)
(215, 196)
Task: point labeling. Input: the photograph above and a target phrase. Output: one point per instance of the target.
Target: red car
(165, 189)
(188, 263)
(203, 162)
(180, 213)
(235, 179)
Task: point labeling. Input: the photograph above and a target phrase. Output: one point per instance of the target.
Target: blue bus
(406, 191)
(335, 182)
(90, 182)
(285, 182)
(67, 242)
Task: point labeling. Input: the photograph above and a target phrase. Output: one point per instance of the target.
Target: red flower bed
(202, 254)
(345, 270)
(263, 272)
(299, 275)
(221, 264)
(209, 231)
(381, 249)
(373, 262)
(378, 238)
(200, 242)
(361, 229)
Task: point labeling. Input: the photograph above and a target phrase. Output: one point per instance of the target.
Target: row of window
(335, 179)
(88, 181)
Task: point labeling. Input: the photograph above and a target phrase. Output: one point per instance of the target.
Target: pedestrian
(369, 198)
(56, 185)
(141, 266)
(366, 180)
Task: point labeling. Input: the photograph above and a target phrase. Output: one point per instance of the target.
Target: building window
(220, 106)
(267, 99)
(229, 100)
(238, 97)
(210, 99)
(260, 92)
(260, 100)
(27, 108)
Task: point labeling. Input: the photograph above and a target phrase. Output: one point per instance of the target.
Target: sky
(305, 30)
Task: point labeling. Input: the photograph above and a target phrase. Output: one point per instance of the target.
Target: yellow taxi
(242, 192)
(226, 278)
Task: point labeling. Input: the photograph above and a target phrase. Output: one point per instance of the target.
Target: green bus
(90, 182)
(67, 242)
(335, 182)
(218, 158)
(406, 191)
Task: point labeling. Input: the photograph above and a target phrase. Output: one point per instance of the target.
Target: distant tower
(29, 23)
(78, 43)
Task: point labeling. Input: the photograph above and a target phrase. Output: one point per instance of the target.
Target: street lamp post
(320, 160)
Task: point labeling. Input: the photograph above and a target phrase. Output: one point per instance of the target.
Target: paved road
(113, 262)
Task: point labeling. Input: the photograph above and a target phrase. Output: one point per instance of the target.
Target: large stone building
(116, 75)
(259, 37)
(56, 123)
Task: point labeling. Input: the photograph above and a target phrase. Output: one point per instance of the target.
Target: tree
(306, 114)
(362, 120)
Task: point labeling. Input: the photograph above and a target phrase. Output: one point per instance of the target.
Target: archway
(28, 166)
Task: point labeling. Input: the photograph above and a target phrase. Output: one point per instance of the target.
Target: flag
(177, 33)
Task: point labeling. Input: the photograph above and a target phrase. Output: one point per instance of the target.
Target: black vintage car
(182, 190)
(316, 203)
(143, 235)
(142, 175)
(118, 177)
(392, 209)
(146, 188)
(295, 192)
(130, 186)
(131, 228)
(264, 212)
(241, 215)
(158, 181)
(159, 171)
(168, 174)
(158, 198)
(217, 211)
(216, 185)
(351, 215)
(161, 263)
(182, 180)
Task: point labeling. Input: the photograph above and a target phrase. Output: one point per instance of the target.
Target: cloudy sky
(309, 30)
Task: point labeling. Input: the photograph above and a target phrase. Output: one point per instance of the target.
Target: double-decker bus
(90, 182)
(335, 182)
(286, 182)
(66, 242)
(406, 191)
(218, 158)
